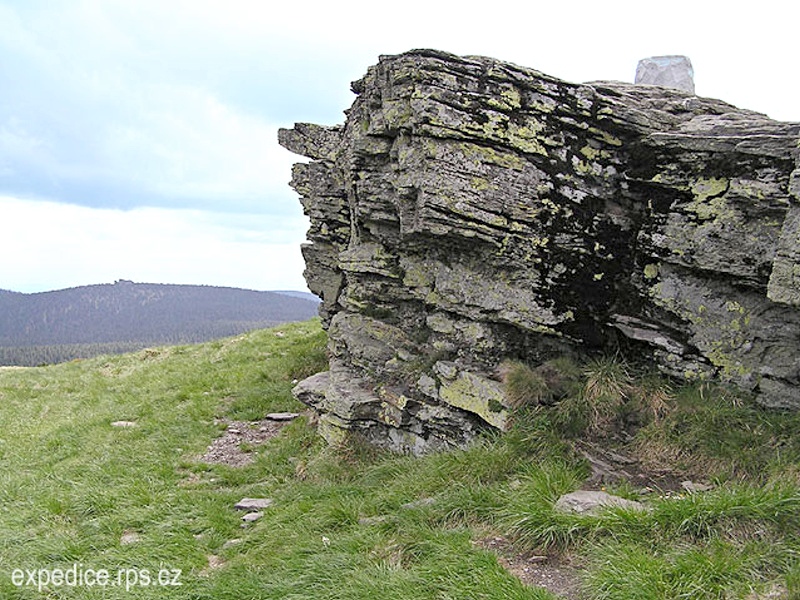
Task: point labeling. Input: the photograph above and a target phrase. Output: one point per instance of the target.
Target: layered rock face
(471, 211)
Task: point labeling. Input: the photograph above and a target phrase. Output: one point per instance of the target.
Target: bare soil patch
(554, 573)
(235, 447)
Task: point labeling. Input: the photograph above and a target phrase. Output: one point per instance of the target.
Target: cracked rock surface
(470, 211)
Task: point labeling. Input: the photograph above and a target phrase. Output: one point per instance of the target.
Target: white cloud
(146, 103)
(50, 245)
(187, 147)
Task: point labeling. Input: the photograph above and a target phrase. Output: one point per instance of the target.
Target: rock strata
(471, 211)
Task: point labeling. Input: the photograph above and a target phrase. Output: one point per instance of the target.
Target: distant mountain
(306, 295)
(128, 314)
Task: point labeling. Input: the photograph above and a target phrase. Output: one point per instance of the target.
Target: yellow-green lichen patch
(705, 188)
(392, 407)
(593, 153)
(733, 306)
(726, 362)
(480, 184)
(605, 136)
(526, 138)
(332, 429)
(650, 271)
(721, 327)
(492, 156)
(478, 395)
(509, 99)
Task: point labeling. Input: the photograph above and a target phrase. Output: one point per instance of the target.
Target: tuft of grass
(712, 431)
(529, 513)
(607, 389)
(523, 385)
(545, 384)
(628, 571)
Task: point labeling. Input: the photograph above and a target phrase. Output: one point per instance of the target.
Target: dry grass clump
(543, 385)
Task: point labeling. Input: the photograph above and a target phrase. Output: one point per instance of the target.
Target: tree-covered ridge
(85, 321)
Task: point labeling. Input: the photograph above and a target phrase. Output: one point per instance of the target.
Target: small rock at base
(252, 516)
(282, 416)
(123, 424)
(693, 488)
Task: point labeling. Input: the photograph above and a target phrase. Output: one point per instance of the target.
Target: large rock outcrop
(469, 211)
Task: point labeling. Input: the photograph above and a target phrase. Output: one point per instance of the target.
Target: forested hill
(127, 315)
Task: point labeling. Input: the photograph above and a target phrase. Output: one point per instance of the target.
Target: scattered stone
(667, 71)
(214, 562)
(777, 591)
(376, 520)
(123, 424)
(694, 488)
(282, 416)
(129, 537)
(252, 516)
(231, 543)
(422, 502)
(592, 502)
(253, 503)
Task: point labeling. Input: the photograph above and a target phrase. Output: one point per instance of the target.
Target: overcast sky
(138, 137)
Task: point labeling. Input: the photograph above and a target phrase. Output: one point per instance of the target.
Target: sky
(138, 138)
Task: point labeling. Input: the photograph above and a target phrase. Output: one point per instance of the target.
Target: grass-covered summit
(106, 464)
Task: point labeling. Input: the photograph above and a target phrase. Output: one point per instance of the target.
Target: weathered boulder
(471, 211)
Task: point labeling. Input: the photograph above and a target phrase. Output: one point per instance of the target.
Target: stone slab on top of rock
(673, 71)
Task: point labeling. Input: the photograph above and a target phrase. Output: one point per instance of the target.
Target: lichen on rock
(471, 211)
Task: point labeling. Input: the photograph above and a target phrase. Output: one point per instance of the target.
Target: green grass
(353, 522)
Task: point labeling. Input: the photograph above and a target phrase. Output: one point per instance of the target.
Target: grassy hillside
(350, 523)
